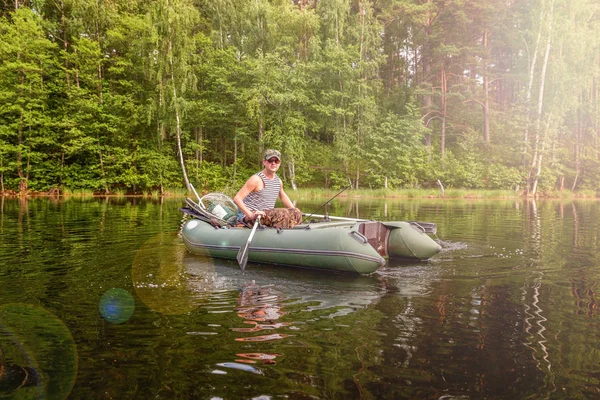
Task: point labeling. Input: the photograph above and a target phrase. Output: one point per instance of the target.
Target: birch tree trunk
(261, 131)
(235, 156)
(530, 87)
(577, 153)
(426, 61)
(1, 177)
(536, 157)
(540, 156)
(22, 177)
(444, 90)
(486, 96)
(292, 172)
(99, 93)
(177, 118)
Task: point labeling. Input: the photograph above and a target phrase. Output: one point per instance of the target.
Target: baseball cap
(272, 153)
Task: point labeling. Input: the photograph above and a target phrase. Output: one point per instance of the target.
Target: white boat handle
(359, 237)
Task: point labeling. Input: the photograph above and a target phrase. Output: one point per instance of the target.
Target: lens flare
(161, 280)
(117, 305)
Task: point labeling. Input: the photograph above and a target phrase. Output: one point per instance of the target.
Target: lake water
(99, 299)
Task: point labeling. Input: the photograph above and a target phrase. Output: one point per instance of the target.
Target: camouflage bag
(281, 217)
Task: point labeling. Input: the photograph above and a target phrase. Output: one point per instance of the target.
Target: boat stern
(407, 241)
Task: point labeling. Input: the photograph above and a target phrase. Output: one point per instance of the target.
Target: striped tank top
(265, 198)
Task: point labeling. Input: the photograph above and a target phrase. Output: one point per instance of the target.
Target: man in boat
(260, 192)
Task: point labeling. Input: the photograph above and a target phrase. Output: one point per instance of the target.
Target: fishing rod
(328, 201)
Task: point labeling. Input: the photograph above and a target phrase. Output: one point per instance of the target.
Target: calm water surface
(99, 299)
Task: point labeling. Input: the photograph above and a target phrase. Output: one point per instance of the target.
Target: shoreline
(406, 194)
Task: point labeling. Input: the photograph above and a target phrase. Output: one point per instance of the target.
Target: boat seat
(377, 235)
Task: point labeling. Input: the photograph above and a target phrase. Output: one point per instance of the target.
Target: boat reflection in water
(263, 291)
(262, 288)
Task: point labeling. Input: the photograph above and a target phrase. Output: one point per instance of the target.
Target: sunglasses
(273, 160)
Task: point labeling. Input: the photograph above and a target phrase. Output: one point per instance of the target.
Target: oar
(242, 255)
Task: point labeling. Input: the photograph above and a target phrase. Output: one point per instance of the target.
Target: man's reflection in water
(259, 307)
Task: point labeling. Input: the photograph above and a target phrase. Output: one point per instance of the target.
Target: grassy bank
(318, 193)
(83, 193)
(437, 194)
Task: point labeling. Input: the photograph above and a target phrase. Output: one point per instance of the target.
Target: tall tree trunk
(63, 22)
(223, 150)
(23, 184)
(536, 157)
(99, 90)
(261, 131)
(426, 63)
(235, 154)
(486, 95)
(102, 173)
(99, 87)
(199, 140)
(161, 135)
(427, 102)
(538, 171)
(361, 11)
(292, 172)
(577, 169)
(1, 177)
(177, 118)
(577, 154)
(561, 186)
(444, 90)
(486, 110)
(76, 72)
(221, 43)
(20, 172)
(532, 68)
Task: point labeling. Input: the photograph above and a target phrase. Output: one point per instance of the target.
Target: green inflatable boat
(358, 246)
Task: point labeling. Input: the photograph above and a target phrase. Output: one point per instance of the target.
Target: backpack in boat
(281, 217)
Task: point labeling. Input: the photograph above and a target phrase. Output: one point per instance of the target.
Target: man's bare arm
(251, 185)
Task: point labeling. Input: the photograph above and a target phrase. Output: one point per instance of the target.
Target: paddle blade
(242, 255)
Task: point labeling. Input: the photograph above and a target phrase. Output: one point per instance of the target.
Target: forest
(131, 96)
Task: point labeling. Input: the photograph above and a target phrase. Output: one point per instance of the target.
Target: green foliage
(395, 147)
(461, 173)
(212, 177)
(101, 96)
(338, 180)
(503, 177)
(27, 61)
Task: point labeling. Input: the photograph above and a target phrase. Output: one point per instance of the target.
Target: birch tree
(173, 21)
(534, 170)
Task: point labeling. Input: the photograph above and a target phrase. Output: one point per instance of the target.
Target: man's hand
(254, 214)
